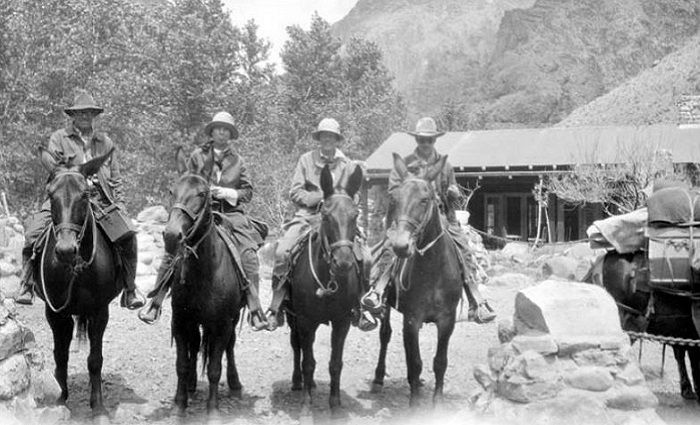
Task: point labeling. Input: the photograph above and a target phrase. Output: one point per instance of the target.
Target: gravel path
(139, 372)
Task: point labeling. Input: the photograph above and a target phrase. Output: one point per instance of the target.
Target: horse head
(339, 216)
(416, 206)
(69, 195)
(191, 205)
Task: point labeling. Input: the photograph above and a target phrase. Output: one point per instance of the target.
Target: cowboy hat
(328, 125)
(426, 127)
(222, 119)
(83, 102)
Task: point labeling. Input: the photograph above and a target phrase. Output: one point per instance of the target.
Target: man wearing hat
(73, 145)
(418, 162)
(230, 189)
(307, 195)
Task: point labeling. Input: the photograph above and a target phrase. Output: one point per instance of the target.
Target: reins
(80, 265)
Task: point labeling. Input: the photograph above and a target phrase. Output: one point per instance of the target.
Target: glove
(312, 199)
(228, 194)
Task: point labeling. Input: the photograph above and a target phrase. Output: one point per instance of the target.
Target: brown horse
(429, 285)
(206, 293)
(77, 275)
(670, 316)
(326, 285)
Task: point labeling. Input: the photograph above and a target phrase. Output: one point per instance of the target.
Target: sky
(274, 16)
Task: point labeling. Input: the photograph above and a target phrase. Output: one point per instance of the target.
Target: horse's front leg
(307, 336)
(335, 366)
(183, 333)
(218, 340)
(686, 387)
(384, 338)
(234, 383)
(62, 329)
(414, 364)
(296, 349)
(96, 329)
(445, 327)
(694, 354)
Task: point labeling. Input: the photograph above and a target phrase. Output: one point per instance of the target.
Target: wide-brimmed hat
(222, 119)
(83, 102)
(426, 127)
(329, 125)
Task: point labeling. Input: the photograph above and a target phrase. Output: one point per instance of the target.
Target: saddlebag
(114, 222)
(670, 254)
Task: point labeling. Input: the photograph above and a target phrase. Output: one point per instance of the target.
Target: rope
(666, 340)
(501, 238)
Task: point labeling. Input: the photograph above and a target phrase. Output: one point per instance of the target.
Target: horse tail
(81, 326)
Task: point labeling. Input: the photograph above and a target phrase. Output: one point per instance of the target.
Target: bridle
(81, 264)
(328, 250)
(188, 244)
(419, 226)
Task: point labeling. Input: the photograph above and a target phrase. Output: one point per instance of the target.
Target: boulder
(7, 268)
(14, 376)
(568, 311)
(11, 338)
(154, 214)
(560, 266)
(637, 397)
(590, 378)
(542, 344)
(44, 388)
(512, 280)
(518, 251)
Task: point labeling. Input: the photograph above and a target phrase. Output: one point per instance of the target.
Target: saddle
(219, 220)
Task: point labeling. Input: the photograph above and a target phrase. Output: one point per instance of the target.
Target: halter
(328, 249)
(80, 264)
(197, 219)
(419, 226)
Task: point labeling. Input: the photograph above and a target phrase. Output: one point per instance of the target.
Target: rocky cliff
(518, 62)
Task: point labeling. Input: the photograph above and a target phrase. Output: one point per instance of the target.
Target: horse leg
(62, 329)
(96, 330)
(694, 354)
(234, 383)
(296, 348)
(307, 335)
(686, 387)
(445, 327)
(194, 339)
(335, 366)
(384, 337)
(183, 333)
(414, 365)
(217, 341)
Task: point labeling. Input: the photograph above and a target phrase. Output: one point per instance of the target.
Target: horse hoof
(236, 393)
(101, 419)
(377, 388)
(297, 386)
(689, 395)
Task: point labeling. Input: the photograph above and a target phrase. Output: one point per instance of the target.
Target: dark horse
(76, 275)
(206, 292)
(429, 285)
(670, 315)
(325, 284)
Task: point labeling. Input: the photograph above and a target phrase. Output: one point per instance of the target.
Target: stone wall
(564, 359)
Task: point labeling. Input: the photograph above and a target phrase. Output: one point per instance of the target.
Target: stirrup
(145, 313)
(484, 313)
(374, 309)
(257, 320)
(367, 321)
(275, 319)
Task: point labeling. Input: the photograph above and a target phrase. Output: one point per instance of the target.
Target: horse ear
(181, 160)
(435, 169)
(354, 181)
(326, 182)
(92, 166)
(400, 166)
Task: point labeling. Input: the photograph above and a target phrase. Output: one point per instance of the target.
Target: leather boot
(151, 312)
(275, 315)
(26, 285)
(251, 267)
(479, 309)
(131, 297)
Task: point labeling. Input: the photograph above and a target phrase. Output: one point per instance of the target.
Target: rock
(14, 376)
(4, 314)
(10, 305)
(543, 344)
(144, 269)
(44, 388)
(154, 214)
(7, 268)
(590, 378)
(7, 416)
(11, 339)
(560, 266)
(534, 366)
(9, 285)
(595, 357)
(632, 398)
(506, 330)
(567, 311)
(266, 254)
(500, 356)
(146, 257)
(53, 415)
(145, 242)
(631, 375)
(521, 390)
(24, 409)
(518, 251)
(483, 376)
(513, 280)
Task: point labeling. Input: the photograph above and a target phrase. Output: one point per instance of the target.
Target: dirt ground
(139, 372)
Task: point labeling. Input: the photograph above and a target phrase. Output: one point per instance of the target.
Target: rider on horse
(307, 196)
(418, 162)
(230, 188)
(73, 145)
